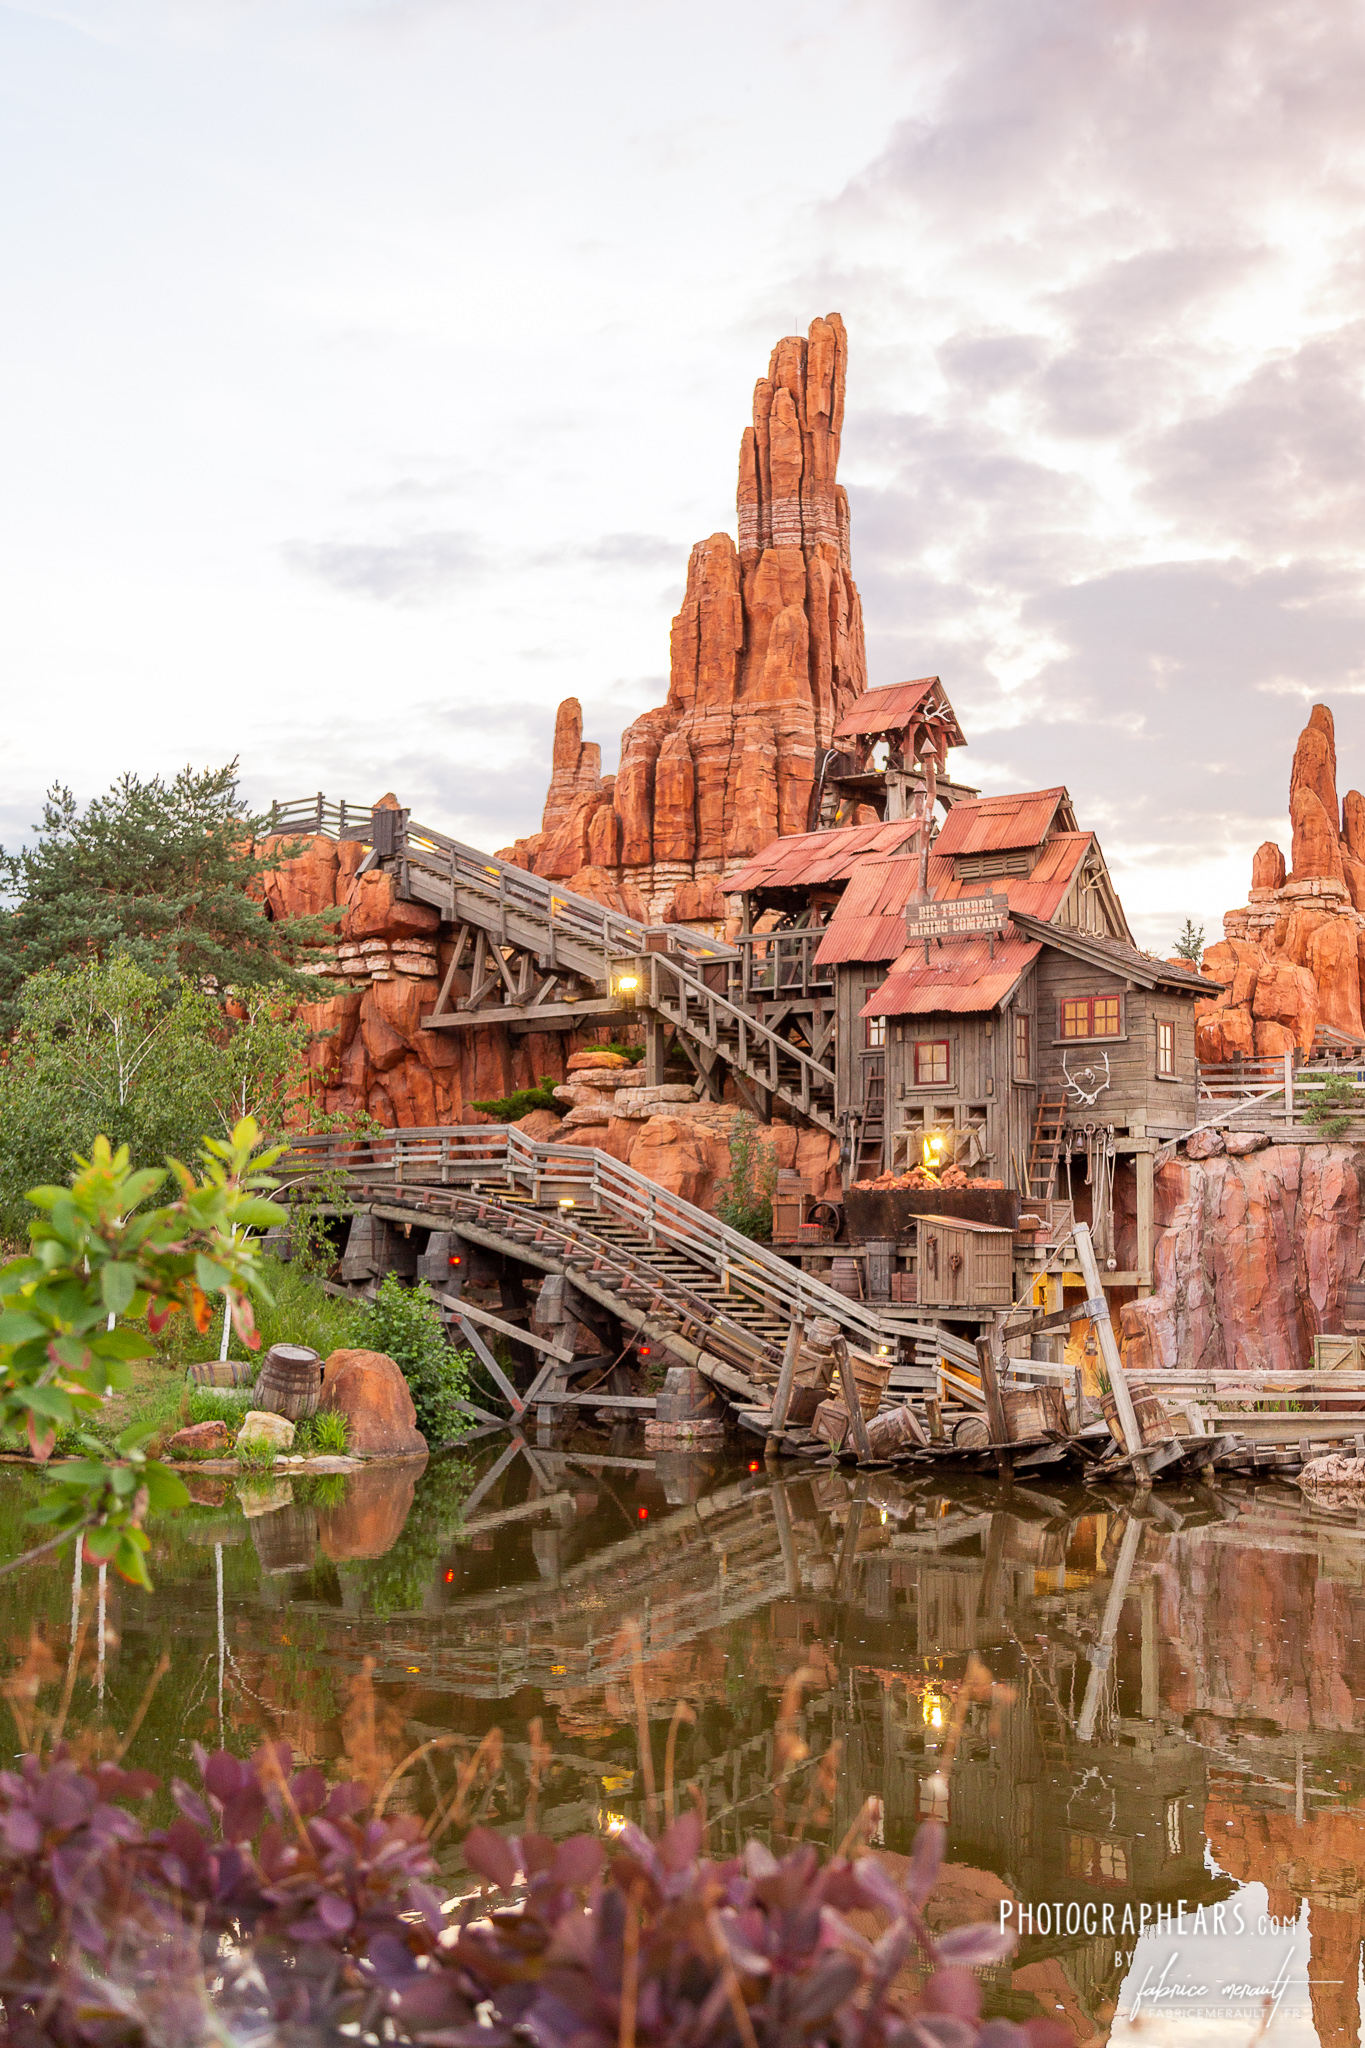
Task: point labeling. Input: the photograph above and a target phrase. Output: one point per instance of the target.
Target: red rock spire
(766, 652)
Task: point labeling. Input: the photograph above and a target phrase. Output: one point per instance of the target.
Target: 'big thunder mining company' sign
(960, 917)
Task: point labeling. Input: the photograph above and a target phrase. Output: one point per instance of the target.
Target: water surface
(1184, 1717)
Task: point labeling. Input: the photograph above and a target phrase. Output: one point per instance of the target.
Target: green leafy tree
(744, 1199)
(1334, 1107)
(1190, 945)
(147, 1061)
(165, 872)
(99, 1254)
(404, 1322)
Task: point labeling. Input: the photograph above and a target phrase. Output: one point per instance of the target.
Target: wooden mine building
(978, 983)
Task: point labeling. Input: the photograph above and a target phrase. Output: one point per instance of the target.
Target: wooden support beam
(481, 1350)
(460, 1307)
(782, 1398)
(1146, 1219)
(853, 1402)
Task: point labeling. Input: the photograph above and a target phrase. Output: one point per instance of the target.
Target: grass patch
(299, 1313)
(255, 1455)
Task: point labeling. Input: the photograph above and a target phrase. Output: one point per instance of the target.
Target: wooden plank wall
(1135, 1098)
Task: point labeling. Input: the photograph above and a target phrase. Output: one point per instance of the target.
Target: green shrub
(507, 1108)
(1334, 1107)
(330, 1432)
(299, 1312)
(255, 1455)
(744, 1199)
(404, 1323)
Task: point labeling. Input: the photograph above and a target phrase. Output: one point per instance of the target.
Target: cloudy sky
(370, 366)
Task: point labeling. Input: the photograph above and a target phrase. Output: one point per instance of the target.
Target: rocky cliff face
(1252, 1261)
(1292, 956)
(766, 653)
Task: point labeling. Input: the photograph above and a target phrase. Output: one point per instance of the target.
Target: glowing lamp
(566, 1201)
(626, 984)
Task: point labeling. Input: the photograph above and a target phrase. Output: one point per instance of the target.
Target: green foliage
(295, 1309)
(404, 1323)
(1334, 1107)
(220, 1404)
(108, 1048)
(633, 1053)
(744, 1199)
(166, 873)
(326, 1434)
(1190, 945)
(255, 1455)
(507, 1108)
(99, 1254)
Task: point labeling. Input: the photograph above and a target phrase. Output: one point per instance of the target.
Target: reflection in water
(1187, 1683)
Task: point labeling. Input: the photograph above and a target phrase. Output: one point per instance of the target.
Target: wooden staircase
(1046, 1150)
(563, 931)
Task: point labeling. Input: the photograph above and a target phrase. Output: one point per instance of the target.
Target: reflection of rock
(370, 1391)
(263, 1496)
(285, 1539)
(370, 1520)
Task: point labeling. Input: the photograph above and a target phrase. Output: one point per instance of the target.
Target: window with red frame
(1092, 1017)
(1165, 1047)
(931, 1062)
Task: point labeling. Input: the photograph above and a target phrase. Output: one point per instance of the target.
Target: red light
(450, 1578)
(457, 1258)
(753, 1464)
(642, 1351)
(644, 1514)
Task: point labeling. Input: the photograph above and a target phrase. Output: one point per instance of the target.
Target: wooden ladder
(870, 1151)
(1046, 1149)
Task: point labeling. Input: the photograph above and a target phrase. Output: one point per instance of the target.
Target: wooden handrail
(469, 1155)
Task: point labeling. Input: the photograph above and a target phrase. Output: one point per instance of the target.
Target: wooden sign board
(963, 917)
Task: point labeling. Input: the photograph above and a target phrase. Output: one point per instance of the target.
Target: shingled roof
(869, 921)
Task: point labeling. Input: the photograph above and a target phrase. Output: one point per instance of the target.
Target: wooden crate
(962, 1265)
(1336, 1354)
(904, 1287)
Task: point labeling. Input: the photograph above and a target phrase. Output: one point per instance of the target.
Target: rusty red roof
(810, 858)
(869, 921)
(961, 976)
(991, 824)
(891, 707)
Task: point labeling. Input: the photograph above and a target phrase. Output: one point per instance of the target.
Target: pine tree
(165, 873)
(1190, 945)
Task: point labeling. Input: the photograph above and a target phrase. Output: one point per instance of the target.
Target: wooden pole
(1097, 1308)
(777, 1420)
(852, 1401)
(1146, 1210)
(1113, 1608)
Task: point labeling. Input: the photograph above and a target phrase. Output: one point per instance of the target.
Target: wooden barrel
(845, 1278)
(287, 1540)
(225, 1372)
(290, 1382)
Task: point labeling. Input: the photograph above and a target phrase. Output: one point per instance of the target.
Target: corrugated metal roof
(885, 709)
(811, 858)
(869, 921)
(961, 977)
(990, 824)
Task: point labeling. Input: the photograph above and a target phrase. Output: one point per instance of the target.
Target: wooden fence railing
(501, 1156)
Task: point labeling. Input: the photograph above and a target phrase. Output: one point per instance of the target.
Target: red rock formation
(1293, 956)
(766, 652)
(1252, 1260)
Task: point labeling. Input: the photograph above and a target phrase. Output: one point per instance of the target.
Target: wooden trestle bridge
(678, 1278)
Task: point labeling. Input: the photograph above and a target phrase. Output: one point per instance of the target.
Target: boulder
(596, 1059)
(376, 912)
(368, 1388)
(1287, 996)
(684, 1158)
(200, 1440)
(540, 1125)
(1267, 868)
(371, 1517)
(259, 1426)
(1204, 1144)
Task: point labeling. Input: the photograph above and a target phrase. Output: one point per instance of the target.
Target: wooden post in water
(777, 1420)
(1097, 1308)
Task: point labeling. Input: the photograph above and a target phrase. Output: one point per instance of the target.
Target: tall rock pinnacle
(766, 654)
